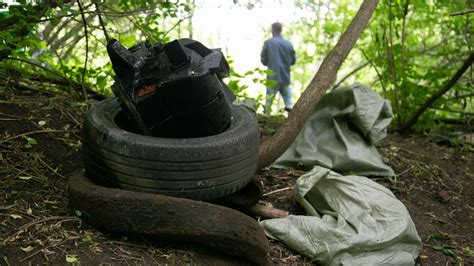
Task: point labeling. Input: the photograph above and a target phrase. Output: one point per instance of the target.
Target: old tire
(168, 218)
(202, 168)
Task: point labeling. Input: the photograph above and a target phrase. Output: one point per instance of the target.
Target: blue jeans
(285, 91)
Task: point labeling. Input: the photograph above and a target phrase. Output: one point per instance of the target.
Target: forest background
(410, 52)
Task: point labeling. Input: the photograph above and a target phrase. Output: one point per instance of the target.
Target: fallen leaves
(72, 259)
(16, 216)
(27, 249)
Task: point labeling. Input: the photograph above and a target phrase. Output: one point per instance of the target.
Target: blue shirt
(278, 55)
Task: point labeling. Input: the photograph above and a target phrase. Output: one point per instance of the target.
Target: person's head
(276, 29)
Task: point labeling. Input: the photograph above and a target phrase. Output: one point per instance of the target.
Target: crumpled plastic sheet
(341, 133)
(351, 220)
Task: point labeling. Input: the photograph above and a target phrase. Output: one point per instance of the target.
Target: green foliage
(74, 259)
(238, 83)
(78, 213)
(30, 142)
(57, 43)
(87, 237)
(447, 250)
(428, 47)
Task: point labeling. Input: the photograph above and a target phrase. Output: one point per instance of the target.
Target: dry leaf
(47, 251)
(27, 249)
(16, 216)
(72, 259)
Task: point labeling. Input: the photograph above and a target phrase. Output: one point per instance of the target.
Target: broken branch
(460, 13)
(467, 63)
(350, 74)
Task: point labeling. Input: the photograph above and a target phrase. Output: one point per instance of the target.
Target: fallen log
(168, 218)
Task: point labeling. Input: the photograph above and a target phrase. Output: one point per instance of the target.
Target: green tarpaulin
(351, 220)
(341, 133)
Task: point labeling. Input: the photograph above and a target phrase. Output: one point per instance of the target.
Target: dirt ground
(40, 148)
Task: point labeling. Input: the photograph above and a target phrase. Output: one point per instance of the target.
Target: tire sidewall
(100, 128)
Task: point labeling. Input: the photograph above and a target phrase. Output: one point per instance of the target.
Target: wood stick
(266, 212)
(460, 13)
(277, 191)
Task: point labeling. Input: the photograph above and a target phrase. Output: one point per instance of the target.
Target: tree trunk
(467, 63)
(69, 33)
(381, 79)
(273, 147)
(47, 30)
(65, 52)
(391, 66)
(404, 23)
(54, 33)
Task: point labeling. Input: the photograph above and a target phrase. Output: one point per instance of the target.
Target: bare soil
(40, 149)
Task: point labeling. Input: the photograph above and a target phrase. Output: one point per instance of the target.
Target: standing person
(278, 55)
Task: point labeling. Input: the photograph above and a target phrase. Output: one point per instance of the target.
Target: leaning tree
(273, 147)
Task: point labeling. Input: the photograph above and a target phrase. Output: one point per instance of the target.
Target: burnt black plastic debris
(177, 87)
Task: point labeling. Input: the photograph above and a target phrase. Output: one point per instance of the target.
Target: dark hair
(277, 27)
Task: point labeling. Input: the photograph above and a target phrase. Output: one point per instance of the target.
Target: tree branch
(115, 14)
(350, 74)
(464, 96)
(382, 83)
(452, 111)
(63, 81)
(102, 24)
(68, 34)
(39, 66)
(175, 25)
(467, 63)
(87, 49)
(273, 147)
(460, 13)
